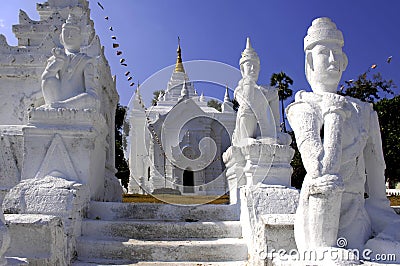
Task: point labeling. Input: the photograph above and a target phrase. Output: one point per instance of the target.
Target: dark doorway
(188, 181)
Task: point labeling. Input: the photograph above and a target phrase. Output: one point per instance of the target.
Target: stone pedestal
(49, 195)
(259, 206)
(261, 170)
(66, 143)
(257, 162)
(234, 162)
(267, 163)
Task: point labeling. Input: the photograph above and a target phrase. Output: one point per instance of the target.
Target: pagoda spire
(137, 102)
(184, 92)
(179, 65)
(226, 96)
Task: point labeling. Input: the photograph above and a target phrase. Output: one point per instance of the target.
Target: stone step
(218, 250)
(92, 262)
(152, 211)
(152, 230)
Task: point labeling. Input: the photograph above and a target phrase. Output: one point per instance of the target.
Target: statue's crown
(249, 54)
(322, 29)
(72, 21)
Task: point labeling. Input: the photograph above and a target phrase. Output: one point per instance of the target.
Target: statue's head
(71, 36)
(325, 60)
(249, 62)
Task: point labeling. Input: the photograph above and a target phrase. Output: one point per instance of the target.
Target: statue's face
(326, 66)
(71, 38)
(250, 69)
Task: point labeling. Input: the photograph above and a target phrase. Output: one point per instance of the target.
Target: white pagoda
(178, 143)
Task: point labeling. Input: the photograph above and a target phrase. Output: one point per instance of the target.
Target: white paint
(181, 133)
(258, 165)
(332, 200)
(67, 200)
(37, 238)
(60, 145)
(258, 108)
(152, 233)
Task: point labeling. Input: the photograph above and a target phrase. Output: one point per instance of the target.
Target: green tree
(120, 141)
(367, 89)
(155, 96)
(235, 105)
(281, 81)
(299, 172)
(389, 117)
(215, 104)
(370, 90)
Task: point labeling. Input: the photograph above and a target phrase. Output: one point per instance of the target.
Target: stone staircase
(161, 234)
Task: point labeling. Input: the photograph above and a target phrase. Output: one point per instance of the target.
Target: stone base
(267, 216)
(55, 196)
(168, 191)
(72, 142)
(267, 164)
(63, 116)
(279, 231)
(35, 240)
(234, 162)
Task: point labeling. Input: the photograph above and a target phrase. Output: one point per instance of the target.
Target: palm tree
(281, 81)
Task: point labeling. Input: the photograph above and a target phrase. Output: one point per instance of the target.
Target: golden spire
(179, 65)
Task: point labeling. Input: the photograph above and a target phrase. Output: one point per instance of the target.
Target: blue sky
(216, 30)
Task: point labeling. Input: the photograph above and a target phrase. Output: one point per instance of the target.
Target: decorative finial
(73, 21)
(184, 92)
(226, 97)
(179, 65)
(160, 96)
(248, 44)
(137, 93)
(138, 103)
(202, 97)
(249, 54)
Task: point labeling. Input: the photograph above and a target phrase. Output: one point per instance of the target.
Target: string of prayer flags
(100, 5)
(116, 45)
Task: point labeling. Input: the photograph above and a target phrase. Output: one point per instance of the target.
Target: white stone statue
(340, 144)
(256, 117)
(68, 79)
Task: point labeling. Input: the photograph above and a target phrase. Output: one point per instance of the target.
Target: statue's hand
(59, 53)
(333, 99)
(326, 184)
(248, 82)
(56, 62)
(333, 103)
